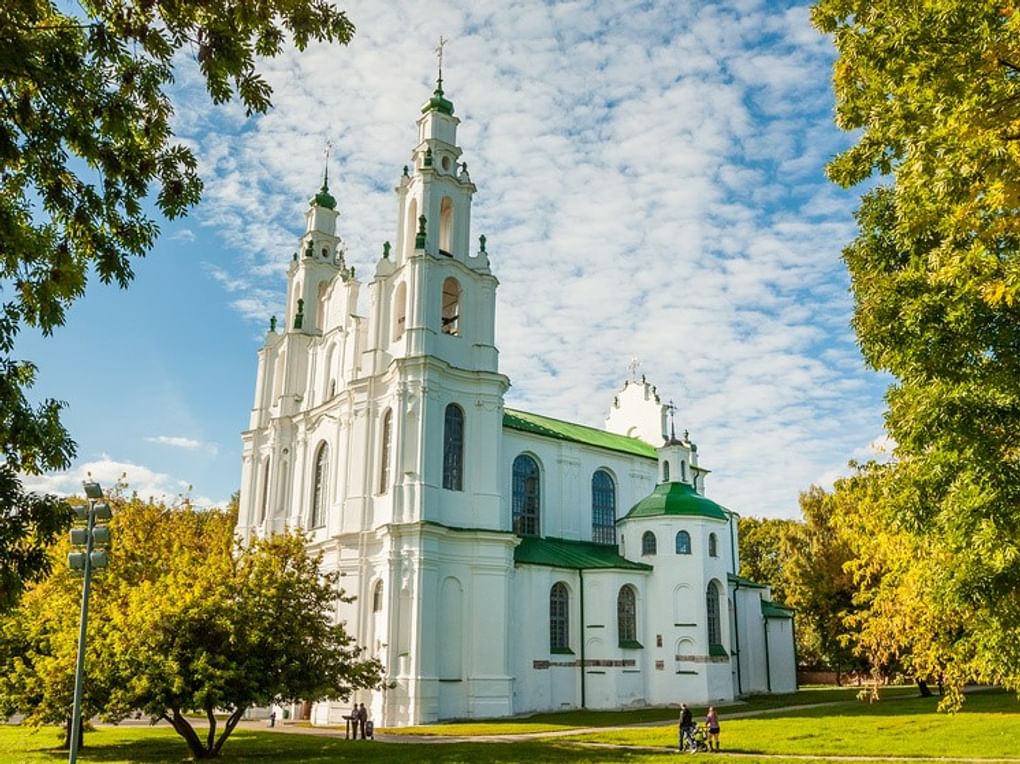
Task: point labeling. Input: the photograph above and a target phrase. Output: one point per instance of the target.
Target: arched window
(384, 451)
(265, 493)
(319, 482)
(559, 601)
(322, 304)
(451, 306)
(648, 543)
(525, 496)
(626, 615)
(399, 311)
(683, 470)
(683, 542)
(603, 508)
(713, 546)
(665, 472)
(446, 226)
(411, 227)
(377, 595)
(712, 614)
(453, 448)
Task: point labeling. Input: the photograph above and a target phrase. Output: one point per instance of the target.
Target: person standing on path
(362, 719)
(686, 732)
(712, 720)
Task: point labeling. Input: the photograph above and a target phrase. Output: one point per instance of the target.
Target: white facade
(496, 567)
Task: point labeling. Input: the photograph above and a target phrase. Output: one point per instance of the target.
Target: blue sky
(651, 184)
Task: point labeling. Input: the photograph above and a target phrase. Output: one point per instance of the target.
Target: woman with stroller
(712, 721)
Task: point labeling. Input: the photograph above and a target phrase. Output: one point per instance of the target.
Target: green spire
(437, 102)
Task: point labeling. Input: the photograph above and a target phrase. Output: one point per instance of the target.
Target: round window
(446, 163)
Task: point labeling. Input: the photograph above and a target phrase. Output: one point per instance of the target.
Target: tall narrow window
(446, 226)
(683, 470)
(648, 543)
(603, 508)
(384, 451)
(665, 472)
(713, 545)
(265, 493)
(683, 542)
(399, 311)
(411, 227)
(453, 448)
(712, 614)
(451, 306)
(559, 601)
(626, 615)
(526, 500)
(319, 482)
(377, 595)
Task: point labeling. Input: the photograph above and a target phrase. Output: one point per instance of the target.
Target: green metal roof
(772, 610)
(324, 198)
(576, 433)
(576, 555)
(676, 499)
(438, 102)
(745, 582)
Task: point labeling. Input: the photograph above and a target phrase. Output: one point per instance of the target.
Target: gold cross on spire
(439, 54)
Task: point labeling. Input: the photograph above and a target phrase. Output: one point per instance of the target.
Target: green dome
(438, 103)
(324, 198)
(676, 499)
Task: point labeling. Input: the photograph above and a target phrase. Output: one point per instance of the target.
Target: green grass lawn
(564, 720)
(988, 726)
(131, 745)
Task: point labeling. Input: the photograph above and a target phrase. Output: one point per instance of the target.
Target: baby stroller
(699, 739)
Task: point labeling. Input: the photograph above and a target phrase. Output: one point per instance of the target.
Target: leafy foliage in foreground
(85, 133)
(933, 92)
(183, 622)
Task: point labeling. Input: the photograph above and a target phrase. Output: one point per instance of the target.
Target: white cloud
(109, 472)
(650, 179)
(176, 441)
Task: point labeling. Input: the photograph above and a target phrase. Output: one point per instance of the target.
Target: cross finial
(439, 54)
(671, 408)
(325, 160)
(634, 365)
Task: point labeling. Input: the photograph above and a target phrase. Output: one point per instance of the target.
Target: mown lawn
(131, 745)
(988, 726)
(565, 720)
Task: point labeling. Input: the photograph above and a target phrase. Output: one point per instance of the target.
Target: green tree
(85, 141)
(184, 622)
(761, 552)
(817, 586)
(933, 92)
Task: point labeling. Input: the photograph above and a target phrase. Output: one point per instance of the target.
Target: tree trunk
(183, 728)
(922, 686)
(66, 745)
(232, 721)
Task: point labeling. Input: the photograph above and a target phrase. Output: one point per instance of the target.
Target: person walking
(686, 731)
(712, 721)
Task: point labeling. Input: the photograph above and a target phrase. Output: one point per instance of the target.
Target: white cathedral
(503, 562)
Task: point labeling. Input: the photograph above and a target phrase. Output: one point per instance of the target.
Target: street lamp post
(90, 536)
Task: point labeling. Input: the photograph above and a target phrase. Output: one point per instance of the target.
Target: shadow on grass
(132, 745)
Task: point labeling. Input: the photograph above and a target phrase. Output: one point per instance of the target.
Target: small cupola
(322, 215)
